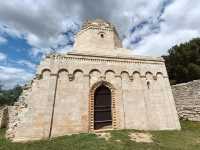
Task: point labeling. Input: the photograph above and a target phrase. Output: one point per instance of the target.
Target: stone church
(97, 86)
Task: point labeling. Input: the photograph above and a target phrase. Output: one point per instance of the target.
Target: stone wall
(16, 113)
(187, 99)
(60, 100)
(3, 116)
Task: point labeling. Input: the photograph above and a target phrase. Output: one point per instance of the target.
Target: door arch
(114, 100)
(102, 108)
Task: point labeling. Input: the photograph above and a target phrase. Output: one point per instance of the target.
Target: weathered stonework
(187, 99)
(60, 100)
(16, 113)
(3, 116)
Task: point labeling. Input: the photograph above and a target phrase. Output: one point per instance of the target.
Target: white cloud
(10, 76)
(2, 40)
(158, 44)
(33, 39)
(2, 56)
(42, 23)
(183, 15)
(180, 24)
(10, 30)
(28, 64)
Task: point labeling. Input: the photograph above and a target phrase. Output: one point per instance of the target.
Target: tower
(97, 36)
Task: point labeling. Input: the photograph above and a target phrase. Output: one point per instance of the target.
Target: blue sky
(29, 29)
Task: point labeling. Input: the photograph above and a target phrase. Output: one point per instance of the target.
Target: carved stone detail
(71, 77)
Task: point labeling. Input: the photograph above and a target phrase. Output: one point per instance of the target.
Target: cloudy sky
(31, 28)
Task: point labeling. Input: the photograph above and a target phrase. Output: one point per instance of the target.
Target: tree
(8, 97)
(1, 87)
(183, 62)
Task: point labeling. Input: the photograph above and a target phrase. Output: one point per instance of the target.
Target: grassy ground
(186, 139)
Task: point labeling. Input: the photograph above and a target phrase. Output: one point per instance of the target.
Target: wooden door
(102, 108)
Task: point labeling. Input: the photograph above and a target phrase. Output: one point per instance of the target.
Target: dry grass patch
(141, 137)
(105, 135)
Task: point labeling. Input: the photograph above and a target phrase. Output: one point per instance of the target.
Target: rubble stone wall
(3, 116)
(187, 99)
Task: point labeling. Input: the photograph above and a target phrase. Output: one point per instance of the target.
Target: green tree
(8, 97)
(183, 62)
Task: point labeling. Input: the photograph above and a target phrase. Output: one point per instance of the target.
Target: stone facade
(187, 99)
(60, 99)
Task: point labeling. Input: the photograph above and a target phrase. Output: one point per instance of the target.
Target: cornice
(109, 59)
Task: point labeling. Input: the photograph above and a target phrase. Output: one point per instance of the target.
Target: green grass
(186, 139)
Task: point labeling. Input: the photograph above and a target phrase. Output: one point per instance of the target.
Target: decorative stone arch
(159, 74)
(61, 71)
(73, 75)
(109, 74)
(124, 72)
(136, 72)
(92, 70)
(77, 70)
(41, 70)
(148, 72)
(45, 70)
(149, 80)
(95, 75)
(91, 103)
(109, 70)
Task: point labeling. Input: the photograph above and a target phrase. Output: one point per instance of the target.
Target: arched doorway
(102, 108)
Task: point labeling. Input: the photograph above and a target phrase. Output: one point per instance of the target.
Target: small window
(101, 34)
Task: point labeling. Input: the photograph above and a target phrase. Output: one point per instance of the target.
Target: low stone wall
(187, 99)
(3, 116)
